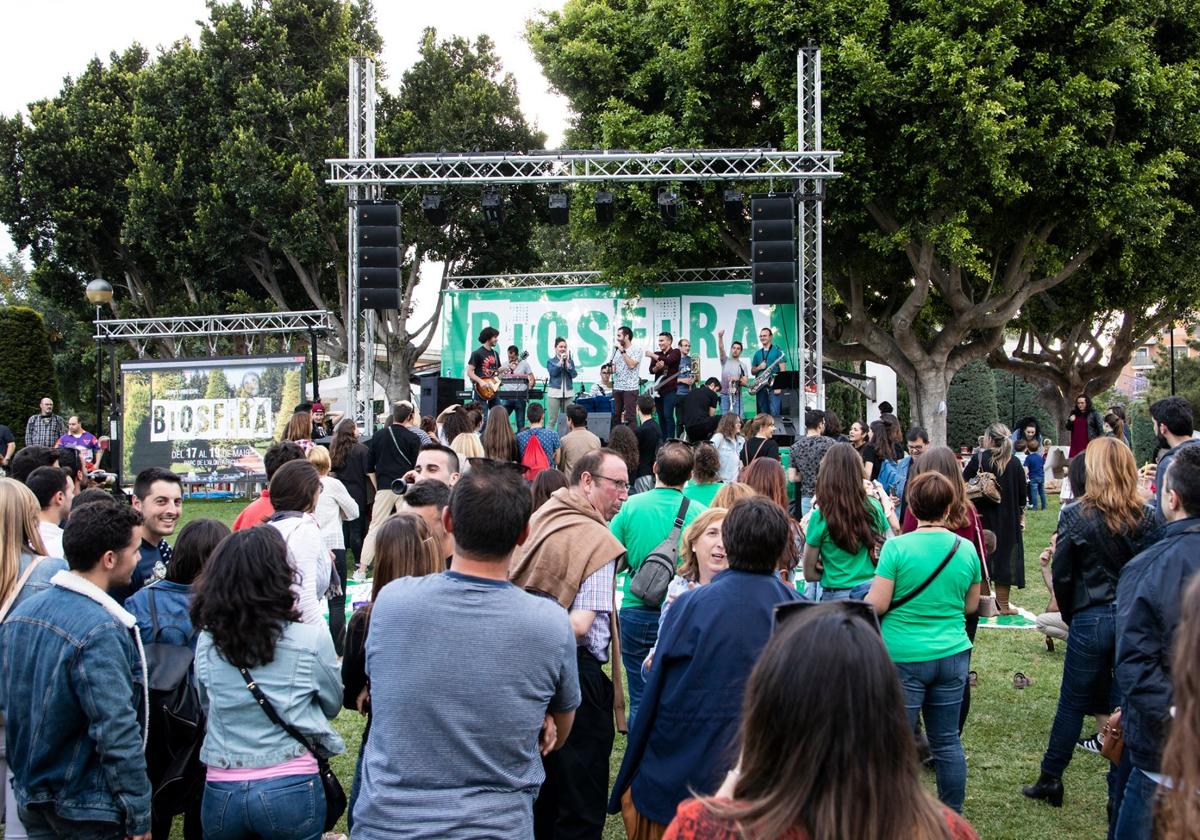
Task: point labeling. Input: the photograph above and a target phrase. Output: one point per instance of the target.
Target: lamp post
(99, 292)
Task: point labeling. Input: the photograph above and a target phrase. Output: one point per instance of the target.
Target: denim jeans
(934, 690)
(856, 593)
(768, 402)
(1037, 489)
(666, 413)
(44, 824)
(516, 410)
(639, 632)
(1087, 668)
(1136, 818)
(805, 505)
(288, 808)
(733, 404)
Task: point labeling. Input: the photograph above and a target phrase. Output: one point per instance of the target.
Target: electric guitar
(488, 387)
(761, 380)
(663, 381)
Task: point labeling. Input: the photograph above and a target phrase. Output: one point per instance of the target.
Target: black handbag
(335, 796)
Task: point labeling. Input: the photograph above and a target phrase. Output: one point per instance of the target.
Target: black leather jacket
(1088, 557)
(1095, 423)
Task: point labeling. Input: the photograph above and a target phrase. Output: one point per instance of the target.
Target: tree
(970, 405)
(990, 151)
(455, 97)
(1187, 377)
(26, 367)
(1026, 404)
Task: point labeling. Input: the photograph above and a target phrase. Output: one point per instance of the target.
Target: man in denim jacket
(73, 690)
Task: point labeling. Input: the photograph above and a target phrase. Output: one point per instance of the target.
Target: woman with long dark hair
(1005, 518)
(925, 583)
(879, 449)
(843, 528)
(261, 782)
(767, 478)
(1096, 538)
(833, 426)
(407, 548)
(850, 772)
(1084, 423)
(544, 486)
(349, 464)
(294, 490)
(499, 442)
(624, 442)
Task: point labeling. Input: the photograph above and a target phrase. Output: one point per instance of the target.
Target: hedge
(970, 405)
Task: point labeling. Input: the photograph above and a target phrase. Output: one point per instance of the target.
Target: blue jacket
(304, 684)
(171, 603)
(684, 732)
(1148, 604)
(558, 372)
(39, 580)
(72, 689)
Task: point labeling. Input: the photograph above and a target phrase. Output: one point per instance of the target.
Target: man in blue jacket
(73, 690)
(1148, 602)
(682, 738)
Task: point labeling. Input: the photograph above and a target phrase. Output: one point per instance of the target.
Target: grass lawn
(1004, 738)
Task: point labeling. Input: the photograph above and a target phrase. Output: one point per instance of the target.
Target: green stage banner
(588, 317)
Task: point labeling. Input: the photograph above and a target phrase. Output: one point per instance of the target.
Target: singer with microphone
(625, 360)
(561, 370)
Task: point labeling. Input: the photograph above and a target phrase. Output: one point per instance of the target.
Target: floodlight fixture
(434, 206)
(560, 204)
(605, 208)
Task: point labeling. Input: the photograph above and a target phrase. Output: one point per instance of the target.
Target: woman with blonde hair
(701, 558)
(24, 572)
(407, 547)
(467, 446)
(1005, 518)
(1096, 538)
(732, 493)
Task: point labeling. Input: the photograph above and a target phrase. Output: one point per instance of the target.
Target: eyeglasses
(618, 483)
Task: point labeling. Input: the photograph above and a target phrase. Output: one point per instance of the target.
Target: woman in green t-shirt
(926, 583)
(706, 479)
(844, 526)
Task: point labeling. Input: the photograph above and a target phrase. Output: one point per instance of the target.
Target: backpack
(534, 460)
(176, 722)
(649, 583)
(888, 473)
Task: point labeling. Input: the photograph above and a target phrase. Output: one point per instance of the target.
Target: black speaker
(379, 254)
(438, 392)
(773, 249)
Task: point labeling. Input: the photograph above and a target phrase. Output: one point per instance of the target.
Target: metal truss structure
(811, 196)
(808, 168)
(588, 278)
(210, 328)
(572, 166)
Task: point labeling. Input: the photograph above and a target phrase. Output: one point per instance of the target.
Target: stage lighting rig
(434, 206)
(668, 204)
(560, 204)
(605, 208)
(492, 203)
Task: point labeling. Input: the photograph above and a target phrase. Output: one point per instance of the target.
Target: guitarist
(517, 367)
(768, 354)
(664, 366)
(484, 365)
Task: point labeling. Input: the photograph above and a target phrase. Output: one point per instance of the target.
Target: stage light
(434, 206)
(735, 209)
(493, 206)
(605, 209)
(559, 210)
(668, 204)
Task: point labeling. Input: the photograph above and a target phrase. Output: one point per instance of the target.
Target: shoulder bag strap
(20, 584)
(678, 526)
(266, 706)
(899, 602)
(392, 434)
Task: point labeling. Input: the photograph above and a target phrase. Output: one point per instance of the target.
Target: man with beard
(571, 557)
(1174, 424)
(158, 496)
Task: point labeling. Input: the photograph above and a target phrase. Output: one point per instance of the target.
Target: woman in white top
(294, 491)
(729, 442)
(335, 505)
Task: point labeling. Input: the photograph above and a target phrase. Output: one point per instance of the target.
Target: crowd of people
(536, 596)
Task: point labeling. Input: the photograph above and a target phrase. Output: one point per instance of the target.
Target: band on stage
(686, 405)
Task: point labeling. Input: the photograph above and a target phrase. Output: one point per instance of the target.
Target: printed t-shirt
(844, 569)
(930, 626)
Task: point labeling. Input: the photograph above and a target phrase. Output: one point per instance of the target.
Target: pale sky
(52, 39)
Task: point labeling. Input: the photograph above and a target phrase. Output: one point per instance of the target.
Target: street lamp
(99, 293)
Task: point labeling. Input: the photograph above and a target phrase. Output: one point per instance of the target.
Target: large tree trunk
(928, 394)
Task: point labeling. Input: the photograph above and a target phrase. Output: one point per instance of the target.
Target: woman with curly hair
(729, 442)
(706, 478)
(624, 442)
(261, 782)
